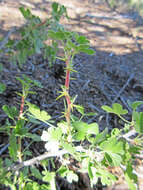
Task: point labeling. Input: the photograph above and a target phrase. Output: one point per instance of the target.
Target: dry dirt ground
(113, 74)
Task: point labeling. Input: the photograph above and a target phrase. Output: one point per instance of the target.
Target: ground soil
(113, 74)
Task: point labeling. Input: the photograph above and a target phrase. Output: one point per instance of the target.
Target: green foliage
(36, 113)
(11, 112)
(34, 35)
(71, 139)
(116, 109)
(130, 177)
(113, 151)
(138, 118)
(85, 130)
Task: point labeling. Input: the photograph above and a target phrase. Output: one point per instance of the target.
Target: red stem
(21, 107)
(67, 81)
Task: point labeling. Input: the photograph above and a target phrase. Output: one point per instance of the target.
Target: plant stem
(126, 121)
(21, 107)
(19, 138)
(19, 150)
(67, 97)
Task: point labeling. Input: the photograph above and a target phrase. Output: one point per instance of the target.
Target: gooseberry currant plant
(93, 151)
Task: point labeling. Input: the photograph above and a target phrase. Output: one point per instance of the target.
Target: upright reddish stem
(67, 82)
(21, 107)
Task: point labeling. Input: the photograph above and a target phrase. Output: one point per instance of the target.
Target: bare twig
(129, 134)
(121, 98)
(36, 160)
(92, 106)
(123, 88)
(105, 93)
(3, 149)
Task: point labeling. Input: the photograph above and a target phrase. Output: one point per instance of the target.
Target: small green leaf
(113, 145)
(106, 177)
(130, 177)
(12, 112)
(93, 129)
(82, 46)
(80, 109)
(107, 109)
(20, 130)
(27, 153)
(36, 113)
(55, 133)
(48, 176)
(35, 137)
(138, 118)
(62, 171)
(115, 132)
(88, 51)
(55, 6)
(82, 40)
(135, 104)
(35, 172)
(60, 35)
(113, 150)
(116, 109)
(131, 184)
(80, 126)
(33, 120)
(90, 170)
(24, 83)
(25, 12)
(100, 137)
(116, 159)
(56, 35)
(80, 136)
(84, 129)
(69, 148)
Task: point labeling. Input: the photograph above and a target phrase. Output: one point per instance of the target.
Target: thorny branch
(35, 160)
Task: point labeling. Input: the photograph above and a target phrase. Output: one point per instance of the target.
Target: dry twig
(35, 160)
